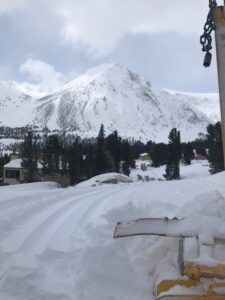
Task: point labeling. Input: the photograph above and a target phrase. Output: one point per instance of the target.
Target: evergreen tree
(138, 148)
(29, 158)
(51, 153)
(4, 159)
(174, 156)
(75, 162)
(64, 161)
(89, 161)
(114, 146)
(128, 158)
(158, 154)
(45, 169)
(188, 153)
(102, 164)
(200, 145)
(215, 148)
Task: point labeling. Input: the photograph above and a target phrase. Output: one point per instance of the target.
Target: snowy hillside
(57, 243)
(110, 94)
(16, 105)
(113, 95)
(207, 103)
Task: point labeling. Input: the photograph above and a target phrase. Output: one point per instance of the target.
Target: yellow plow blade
(164, 292)
(195, 271)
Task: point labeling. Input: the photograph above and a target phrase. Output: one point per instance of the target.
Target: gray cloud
(99, 25)
(9, 7)
(159, 39)
(168, 60)
(43, 74)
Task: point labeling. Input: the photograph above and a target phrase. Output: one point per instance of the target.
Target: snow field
(57, 243)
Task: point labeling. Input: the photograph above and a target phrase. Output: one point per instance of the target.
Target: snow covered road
(57, 243)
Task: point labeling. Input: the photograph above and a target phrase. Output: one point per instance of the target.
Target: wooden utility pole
(219, 19)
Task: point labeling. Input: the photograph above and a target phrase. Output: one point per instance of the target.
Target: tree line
(78, 158)
(82, 159)
(209, 146)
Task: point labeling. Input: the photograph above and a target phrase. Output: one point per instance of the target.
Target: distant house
(14, 173)
(199, 156)
(144, 156)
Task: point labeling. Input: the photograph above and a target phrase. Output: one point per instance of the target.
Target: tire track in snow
(39, 239)
(17, 214)
(15, 200)
(19, 236)
(80, 217)
(31, 197)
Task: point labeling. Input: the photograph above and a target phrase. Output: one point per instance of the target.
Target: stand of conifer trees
(81, 159)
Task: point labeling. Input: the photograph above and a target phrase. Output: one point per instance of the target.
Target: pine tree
(4, 159)
(102, 158)
(128, 158)
(64, 161)
(89, 161)
(200, 145)
(188, 153)
(174, 156)
(75, 162)
(138, 148)
(51, 153)
(158, 154)
(29, 158)
(215, 148)
(114, 146)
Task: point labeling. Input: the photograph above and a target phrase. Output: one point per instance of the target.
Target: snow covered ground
(57, 243)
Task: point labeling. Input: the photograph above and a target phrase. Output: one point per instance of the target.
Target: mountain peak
(107, 72)
(105, 68)
(112, 95)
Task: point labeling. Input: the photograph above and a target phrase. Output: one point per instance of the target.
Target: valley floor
(57, 243)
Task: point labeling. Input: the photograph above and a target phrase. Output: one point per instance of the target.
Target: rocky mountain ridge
(112, 95)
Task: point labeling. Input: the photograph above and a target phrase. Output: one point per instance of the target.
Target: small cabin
(14, 173)
(144, 156)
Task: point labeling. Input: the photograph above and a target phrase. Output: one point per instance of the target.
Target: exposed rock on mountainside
(16, 106)
(111, 94)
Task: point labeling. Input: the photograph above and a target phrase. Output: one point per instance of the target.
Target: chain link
(205, 38)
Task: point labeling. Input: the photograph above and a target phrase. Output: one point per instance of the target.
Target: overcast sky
(49, 42)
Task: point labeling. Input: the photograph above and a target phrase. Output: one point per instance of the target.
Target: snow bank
(107, 178)
(57, 243)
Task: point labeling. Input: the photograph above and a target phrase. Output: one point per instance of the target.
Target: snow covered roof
(144, 154)
(16, 164)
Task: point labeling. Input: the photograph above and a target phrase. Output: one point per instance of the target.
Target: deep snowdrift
(57, 243)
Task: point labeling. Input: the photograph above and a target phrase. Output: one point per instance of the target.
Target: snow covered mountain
(16, 105)
(111, 94)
